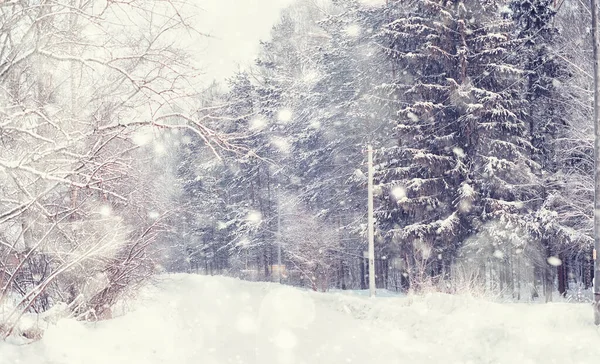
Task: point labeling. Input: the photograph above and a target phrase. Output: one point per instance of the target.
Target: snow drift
(197, 319)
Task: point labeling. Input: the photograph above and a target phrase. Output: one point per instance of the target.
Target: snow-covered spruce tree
(546, 73)
(419, 188)
(253, 187)
(463, 163)
(291, 111)
(229, 197)
(204, 209)
(352, 65)
(310, 82)
(296, 134)
(324, 72)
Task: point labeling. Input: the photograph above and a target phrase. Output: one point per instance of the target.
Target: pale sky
(237, 27)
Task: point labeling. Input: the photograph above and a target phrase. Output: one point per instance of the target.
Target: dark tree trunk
(266, 263)
(342, 275)
(386, 270)
(562, 276)
(548, 273)
(548, 282)
(363, 283)
(588, 272)
(536, 282)
(405, 281)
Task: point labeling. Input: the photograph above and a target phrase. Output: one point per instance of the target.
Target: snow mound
(187, 319)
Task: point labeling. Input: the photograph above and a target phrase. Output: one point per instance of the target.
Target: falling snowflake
(399, 193)
(310, 76)
(105, 211)
(315, 124)
(282, 144)
(284, 115)
(465, 206)
(352, 30)
(554, 261)
(412, 117)
(459, 152)
(243, 242)
(254, 217)
(142, 137)
(159, 148)
(258, 123)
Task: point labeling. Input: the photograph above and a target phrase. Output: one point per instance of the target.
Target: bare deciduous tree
(84, 86)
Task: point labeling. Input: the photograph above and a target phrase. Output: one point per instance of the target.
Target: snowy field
(189, 319)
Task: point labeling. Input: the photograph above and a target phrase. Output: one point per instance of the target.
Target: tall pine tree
(462, 171)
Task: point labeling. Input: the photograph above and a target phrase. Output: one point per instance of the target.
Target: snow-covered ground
(189, 319)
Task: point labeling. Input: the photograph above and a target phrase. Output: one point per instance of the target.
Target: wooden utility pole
(595, 39)
(371, 226)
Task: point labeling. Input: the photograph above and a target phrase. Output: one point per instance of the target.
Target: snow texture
(189, 319)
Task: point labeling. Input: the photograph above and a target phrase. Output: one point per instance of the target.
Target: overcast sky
(237, 26)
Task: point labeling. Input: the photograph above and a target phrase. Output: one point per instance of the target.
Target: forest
(116, 163)
(480, 114)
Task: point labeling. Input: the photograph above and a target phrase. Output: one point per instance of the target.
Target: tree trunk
(588, 272)
(266, 263)
(363, 283)
(536, 283)
(596, 39)
(386, 270)
(519, 277)
(562, 279)
(342, 273)
(548, 283)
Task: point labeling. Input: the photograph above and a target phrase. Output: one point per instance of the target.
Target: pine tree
(320, 71)
(463, 165)
(545, 117)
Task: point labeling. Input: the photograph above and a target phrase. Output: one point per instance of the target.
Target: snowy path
(214, 320)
